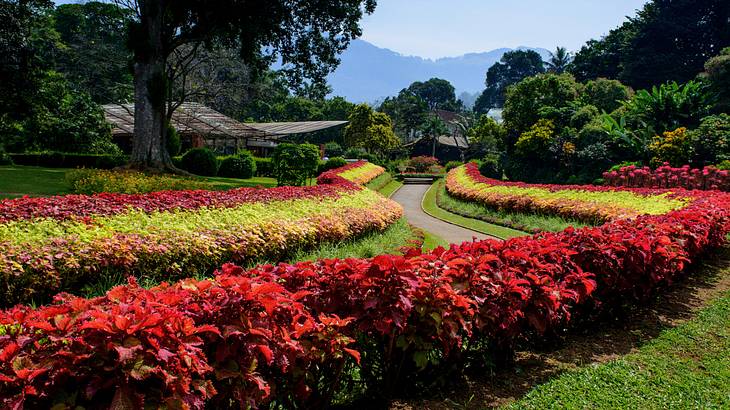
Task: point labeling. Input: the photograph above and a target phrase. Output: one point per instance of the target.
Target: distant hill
(369, 73)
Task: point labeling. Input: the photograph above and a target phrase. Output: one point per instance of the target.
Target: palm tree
(559, 60)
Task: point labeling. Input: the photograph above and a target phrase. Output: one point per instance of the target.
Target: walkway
(410, 196)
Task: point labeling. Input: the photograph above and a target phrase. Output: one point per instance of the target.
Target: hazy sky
(439, 28)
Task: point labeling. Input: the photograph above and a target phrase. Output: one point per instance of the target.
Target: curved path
(410, 197)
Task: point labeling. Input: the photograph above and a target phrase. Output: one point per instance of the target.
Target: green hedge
(264, 167)
(69, 160)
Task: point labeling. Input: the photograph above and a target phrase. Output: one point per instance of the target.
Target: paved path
(410, 196)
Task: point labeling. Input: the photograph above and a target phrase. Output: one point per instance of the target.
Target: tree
(511, 69)
(717, 71)
(433, 128)
(95, 57)
(307, 36)
(666, 41)
(606, 95)
(407, 111)
(544, 96)
(437, 94)
(370, 130)
(559, 60)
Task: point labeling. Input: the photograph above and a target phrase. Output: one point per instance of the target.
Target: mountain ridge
(368, 73)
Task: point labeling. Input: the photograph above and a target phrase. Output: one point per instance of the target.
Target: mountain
(369, 73)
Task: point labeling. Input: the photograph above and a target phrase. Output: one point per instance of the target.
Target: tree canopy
(512, 68)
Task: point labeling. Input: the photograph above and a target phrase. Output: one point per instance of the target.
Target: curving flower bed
(64, 243)
(592, 204)
(666, 176)
(288, 334)
(360, 173)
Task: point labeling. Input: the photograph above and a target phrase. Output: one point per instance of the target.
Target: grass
(16, 181)
(431, 241)
(431, 208)
(685, 367)
(519, 221)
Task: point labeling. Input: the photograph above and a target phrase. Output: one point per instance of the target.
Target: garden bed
(332, 331)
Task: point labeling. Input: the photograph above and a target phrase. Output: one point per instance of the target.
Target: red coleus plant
(668, 177)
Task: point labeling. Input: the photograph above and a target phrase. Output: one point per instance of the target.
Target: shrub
(667, 177)
(5, 159)
(333, 149)
(490, 167)
(332, 163)
(200, 161)
(711, 140)
(672, 146)
(583, 116)
(625, 164)
(92, 181)
(242, 165)
(264, 167)
(295, 163)
(422, 163)
(535, 142)
(452, 164)
(606, 95)
(724, 165)
(173, 143)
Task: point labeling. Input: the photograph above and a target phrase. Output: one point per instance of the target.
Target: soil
(600, 343)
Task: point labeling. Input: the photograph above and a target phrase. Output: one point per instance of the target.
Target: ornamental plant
(422, 164)
(666, 176)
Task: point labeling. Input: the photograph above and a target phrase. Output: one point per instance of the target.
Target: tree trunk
(149, 151)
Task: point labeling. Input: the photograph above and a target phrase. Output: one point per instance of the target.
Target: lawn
(17, 180)
(685, 367)
(430, 207)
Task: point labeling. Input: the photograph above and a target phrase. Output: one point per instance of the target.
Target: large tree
(306, 35)
(559, 60)
(510, 69)
(436, 93)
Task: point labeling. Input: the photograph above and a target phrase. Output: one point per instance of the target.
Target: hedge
(69, 160)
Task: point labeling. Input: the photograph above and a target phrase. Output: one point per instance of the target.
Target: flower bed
(93, 181)
(587, 203)
(288, 332)
(360, 173)
(64, 243)
(668, 177)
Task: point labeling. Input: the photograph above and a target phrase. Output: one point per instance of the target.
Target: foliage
(711, 140)
(452, 164)
(673, 147)
(606, 95)
(512, 68)
(586, 203)
(200, 161)
(717, 71)
(94, 57)
(90, 181)
(332, 163)
(5, 159)
(407, 110)
(526, 99)
(669, 106)
(173, 143)
(370, 130)
(242, 165)
(294, 164)
(333, 149)
(488, 133)
(293, 331)
(437, 94)
(724, 165)
(667, 177)
(584, 116)
(490, 167)
(534, 143)
(559, 60)
(359, 173)
(52, 159)
(165, 235)
(422, 163)
(683, 31)
(264, 167)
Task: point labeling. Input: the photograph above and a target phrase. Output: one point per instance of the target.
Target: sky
(445, 28)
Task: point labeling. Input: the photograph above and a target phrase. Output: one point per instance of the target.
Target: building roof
(188, 118)
(194, 118)
(456, 141)
(291, 128)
